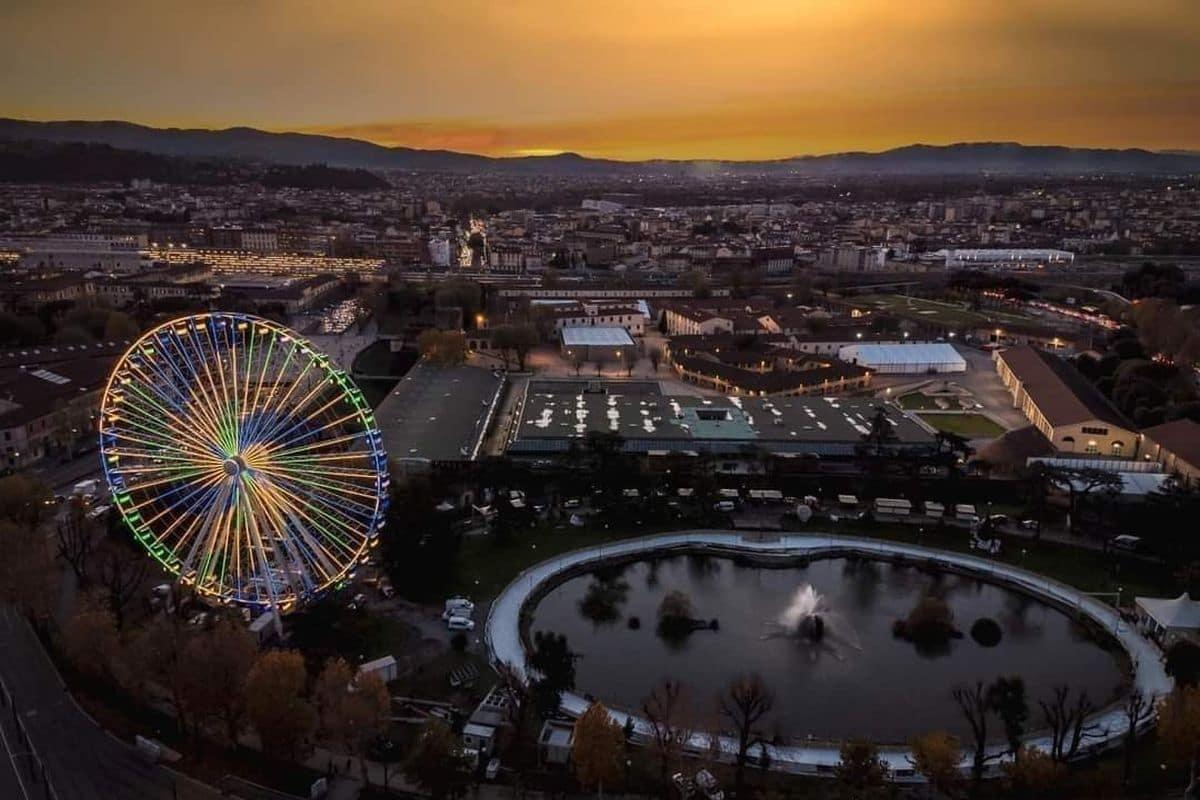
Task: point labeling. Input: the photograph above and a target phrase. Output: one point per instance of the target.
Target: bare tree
(121, 574)
(75, 535)
(664, 709)
(655, 355)
(1138, 708)
(1067, 721)
(975, 706)
(745, 703)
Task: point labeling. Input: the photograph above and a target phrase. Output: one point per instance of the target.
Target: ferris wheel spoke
(181, 507)
(173, 425)
(314, 479)
(209, 385)
(294, 415)
(201, 532)
(308, 549)
(266, 361)
(194, 399)
(304, 486)
(317, 510)
(159, 438)
(292, 444)
(282, 402)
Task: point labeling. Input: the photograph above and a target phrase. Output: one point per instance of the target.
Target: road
(83, 761)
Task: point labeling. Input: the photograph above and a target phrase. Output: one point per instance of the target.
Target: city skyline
(755, 81)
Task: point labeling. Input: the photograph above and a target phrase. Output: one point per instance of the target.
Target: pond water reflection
(853, 678)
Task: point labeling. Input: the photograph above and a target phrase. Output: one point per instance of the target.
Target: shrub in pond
(986, 632)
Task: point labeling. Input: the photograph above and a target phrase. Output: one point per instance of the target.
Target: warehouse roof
(596, 336)
(916, 353)
(1061, 392)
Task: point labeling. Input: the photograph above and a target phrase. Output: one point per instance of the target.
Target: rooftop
(551, 418)
(1061, 392)
(596, 336)
(437, 413)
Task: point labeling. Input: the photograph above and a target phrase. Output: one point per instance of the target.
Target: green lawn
(972, 426)
(919, 401)
(940, 312)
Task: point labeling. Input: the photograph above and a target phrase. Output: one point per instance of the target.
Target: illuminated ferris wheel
(242, 459)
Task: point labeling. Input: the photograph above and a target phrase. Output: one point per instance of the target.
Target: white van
(725, 506)
(460, 624)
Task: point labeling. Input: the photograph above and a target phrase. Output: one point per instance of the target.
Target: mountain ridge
(253, 144)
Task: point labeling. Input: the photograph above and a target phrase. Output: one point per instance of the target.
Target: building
(852, 258)
(905, 359)
(1176, 446)
(1008, 258)
(1169, 620)
(599, 313)
(1061, 403)
(50, 408)
(556, 414)
(597, 343)
(764, 366)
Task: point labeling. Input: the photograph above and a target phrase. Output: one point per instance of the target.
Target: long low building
(555, 414)
(1061, 403)
(438, 413)
(905, 359)
(608, 343)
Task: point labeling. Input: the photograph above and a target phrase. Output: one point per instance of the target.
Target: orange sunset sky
(649, 78)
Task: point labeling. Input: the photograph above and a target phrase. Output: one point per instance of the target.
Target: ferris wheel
(242, 459)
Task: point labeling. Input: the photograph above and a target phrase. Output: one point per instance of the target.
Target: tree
(121, 574)
(745, 703)
(1138, 709)
(936, 757)
(214, 668)
(1006, 697)
(442, 347)
(1183, 663)
(437, 763)
(352, 710)
(1034, 773)
(553, 665)
(655, 355)
(597, 748)
(159, 653)
(665, 710)
(600, 359)
(91, 640)
(1067, 722)
(973, 703)
(76, 534)
(1179, 732)
(23, 499)
(275, 704)
(861, 774)
(28, 576)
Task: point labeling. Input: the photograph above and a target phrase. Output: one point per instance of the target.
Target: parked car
(460, 624)
(1127, 543)
(725, 506)
(492, 769)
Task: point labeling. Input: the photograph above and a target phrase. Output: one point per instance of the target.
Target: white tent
(905, 359)
(1164, 618)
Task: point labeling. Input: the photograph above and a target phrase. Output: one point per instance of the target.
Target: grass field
(919, 401)
(972, 426)
(938, 312)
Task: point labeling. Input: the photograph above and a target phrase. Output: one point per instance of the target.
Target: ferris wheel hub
(234, 466)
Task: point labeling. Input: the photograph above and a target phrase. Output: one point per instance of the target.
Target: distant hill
(299, 148)
(29, 161)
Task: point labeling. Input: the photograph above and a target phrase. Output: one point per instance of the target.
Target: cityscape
(636, 405)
